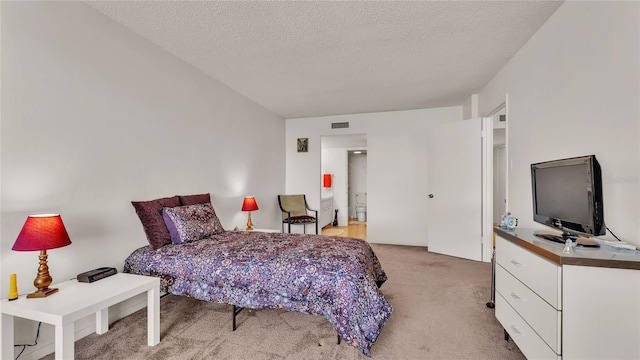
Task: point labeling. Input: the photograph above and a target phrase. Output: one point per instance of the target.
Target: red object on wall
(327, 180)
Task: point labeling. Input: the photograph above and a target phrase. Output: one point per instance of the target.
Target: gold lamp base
(40, 293)
(249, 223)
(43, 280)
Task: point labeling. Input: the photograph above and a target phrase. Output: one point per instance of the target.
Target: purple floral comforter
(331, 276)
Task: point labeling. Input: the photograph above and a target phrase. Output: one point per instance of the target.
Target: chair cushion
(305, 219)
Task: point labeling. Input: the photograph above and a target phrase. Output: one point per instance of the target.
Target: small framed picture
(303, 144)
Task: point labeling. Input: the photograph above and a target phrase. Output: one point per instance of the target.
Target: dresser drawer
(531, 345)
(539, 274)
(532, 308)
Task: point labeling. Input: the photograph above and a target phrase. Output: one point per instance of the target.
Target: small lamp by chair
(41, 233)
(249, 205)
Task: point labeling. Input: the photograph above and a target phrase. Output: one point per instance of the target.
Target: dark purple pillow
(150, 214)
(194, 199)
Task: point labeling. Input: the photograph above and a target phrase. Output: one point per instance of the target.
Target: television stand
(551, 237)
(552, 304)
(580, 241)
(586, 242)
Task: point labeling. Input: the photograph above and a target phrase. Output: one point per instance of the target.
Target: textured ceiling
(312, 58)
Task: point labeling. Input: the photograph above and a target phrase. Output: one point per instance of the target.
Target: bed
(336, 277)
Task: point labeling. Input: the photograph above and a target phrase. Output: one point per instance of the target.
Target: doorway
(357, 186)
(343, 160)
(499, 121)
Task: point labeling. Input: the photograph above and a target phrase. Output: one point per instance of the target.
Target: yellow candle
(13, 287)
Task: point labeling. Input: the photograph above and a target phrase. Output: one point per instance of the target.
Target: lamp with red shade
(41, 233)
(249, 205)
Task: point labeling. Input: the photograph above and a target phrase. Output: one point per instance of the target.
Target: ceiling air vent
(340, 125)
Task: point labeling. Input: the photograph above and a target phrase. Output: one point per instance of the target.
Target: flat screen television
(567, 195)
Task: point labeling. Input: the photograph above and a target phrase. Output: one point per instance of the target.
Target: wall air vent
(340, 125)
(503, 117)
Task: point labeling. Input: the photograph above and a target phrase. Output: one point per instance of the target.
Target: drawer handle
(516, 263)
(515, 296)
(515, 330)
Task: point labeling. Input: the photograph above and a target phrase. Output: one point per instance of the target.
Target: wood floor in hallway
(355, 229)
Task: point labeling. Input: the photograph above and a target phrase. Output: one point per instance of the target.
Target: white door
(454, 189)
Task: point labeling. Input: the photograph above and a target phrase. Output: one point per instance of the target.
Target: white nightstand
(76, 300)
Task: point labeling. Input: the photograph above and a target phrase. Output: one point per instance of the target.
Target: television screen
(567, 195)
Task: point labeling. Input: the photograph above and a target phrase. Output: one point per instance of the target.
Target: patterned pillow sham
(191, 222)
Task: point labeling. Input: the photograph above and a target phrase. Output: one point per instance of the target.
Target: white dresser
(584, 305)
(326, 211)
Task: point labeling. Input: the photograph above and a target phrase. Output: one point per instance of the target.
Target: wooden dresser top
(604, 256)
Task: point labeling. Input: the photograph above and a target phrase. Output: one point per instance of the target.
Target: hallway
(355, 229)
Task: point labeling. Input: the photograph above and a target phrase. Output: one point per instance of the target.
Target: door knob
(430, 196)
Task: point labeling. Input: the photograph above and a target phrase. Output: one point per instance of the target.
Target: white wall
(470, 107)
(574, 89)
(327, 160)
(334, 161)
(396, 167)
(94, 117)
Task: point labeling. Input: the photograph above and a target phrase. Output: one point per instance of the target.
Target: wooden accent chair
(294, 211)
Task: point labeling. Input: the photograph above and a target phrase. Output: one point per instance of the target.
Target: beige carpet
(439, 313)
